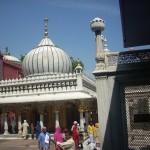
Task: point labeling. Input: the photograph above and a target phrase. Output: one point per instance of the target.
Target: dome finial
(46, 27)
(79, 68)
(78, 60)
(105, 44)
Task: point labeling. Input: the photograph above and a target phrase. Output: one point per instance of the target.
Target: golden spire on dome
(46, 27)
(78, 60)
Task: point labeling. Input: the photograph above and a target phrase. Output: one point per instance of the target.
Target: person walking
(25, 126)
(69, 144)
(90, 131)
(38, 129)
(97, 137)
(58, 137)
(44, 140)
(75, 136)
(63, 134)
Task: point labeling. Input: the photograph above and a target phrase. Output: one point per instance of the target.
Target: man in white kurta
(69, 144)
(25, 126)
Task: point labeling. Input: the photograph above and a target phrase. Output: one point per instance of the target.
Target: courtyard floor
(20, 144)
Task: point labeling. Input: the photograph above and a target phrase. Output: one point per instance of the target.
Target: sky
(22, 26)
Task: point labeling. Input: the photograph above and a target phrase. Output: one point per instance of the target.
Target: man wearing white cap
(25, 126)
(74, 123)
(44, 140)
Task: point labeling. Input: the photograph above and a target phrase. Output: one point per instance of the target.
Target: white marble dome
(46, 58)
(11, 58)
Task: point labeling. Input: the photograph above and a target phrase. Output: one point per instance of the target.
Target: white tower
(97, 26)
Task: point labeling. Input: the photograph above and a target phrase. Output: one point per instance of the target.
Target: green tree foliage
(75, 63)
(21, 58)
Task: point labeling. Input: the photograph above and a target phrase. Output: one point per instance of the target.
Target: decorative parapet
(128, 57)
(46, 84)
(39, 84)
(46, 78)
(89, 83)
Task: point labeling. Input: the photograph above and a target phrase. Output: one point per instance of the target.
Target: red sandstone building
(10, 67)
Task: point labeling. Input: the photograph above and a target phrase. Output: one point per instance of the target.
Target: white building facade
(50, 92)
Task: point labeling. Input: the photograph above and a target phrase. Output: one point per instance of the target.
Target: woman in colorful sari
(75, 136)
(58, 137)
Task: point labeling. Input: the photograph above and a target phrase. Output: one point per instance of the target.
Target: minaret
(78, 71)
(97, 26)
(46, 27)
(105, 45)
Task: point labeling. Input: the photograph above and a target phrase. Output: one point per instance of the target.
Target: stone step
(17, 136)
(11, 136)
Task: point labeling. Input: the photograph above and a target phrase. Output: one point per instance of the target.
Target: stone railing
(128, 57)
(39, 84)
(88, 83)
(45, 84)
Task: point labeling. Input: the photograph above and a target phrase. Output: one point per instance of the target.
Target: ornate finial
(6, 51)
(105, 44)
(46, 27)
(79, 67)
(102, 37)
(78, 60)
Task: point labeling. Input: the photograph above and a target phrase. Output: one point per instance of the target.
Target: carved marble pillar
(90, 109)
(86, 117)
(41, 119)
(41, 112)
(63, 115)
(5, 124)
(18, 110)
(81, 110)
(56, 111)
(94, 116)
(56, 118)
(19, 123)
(94, 111)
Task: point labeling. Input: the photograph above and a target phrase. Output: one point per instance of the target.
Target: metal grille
(137, 102)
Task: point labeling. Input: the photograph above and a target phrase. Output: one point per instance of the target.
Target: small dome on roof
(11, 58)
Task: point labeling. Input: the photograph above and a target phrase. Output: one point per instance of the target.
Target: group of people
(65, 139)
(66, 143)
(62, 139)
(76, 137)
(36, 130)
(93, 133)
